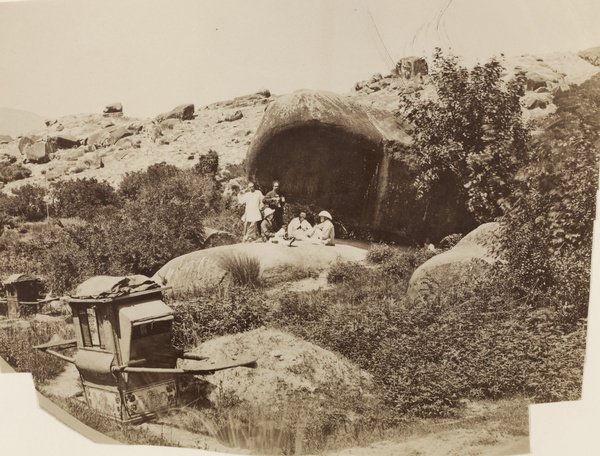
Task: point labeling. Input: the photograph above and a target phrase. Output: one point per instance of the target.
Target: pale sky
(71, 57)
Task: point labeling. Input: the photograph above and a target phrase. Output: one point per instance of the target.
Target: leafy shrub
(206, 317)
(476, 341)
(135, 182)
(244, 269)
(16, 347)
(345, 271)
(398, 263)
(380, 253)
(208, 164)
(13, 171)
(26, 202)
(81, 197)
(548, 221)
(471, 135)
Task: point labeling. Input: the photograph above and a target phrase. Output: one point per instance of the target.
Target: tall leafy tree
(470, 133)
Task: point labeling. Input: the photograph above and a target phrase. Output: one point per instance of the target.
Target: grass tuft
(243, 268)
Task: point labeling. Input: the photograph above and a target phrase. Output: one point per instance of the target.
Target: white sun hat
(269, 211)
(325, 214)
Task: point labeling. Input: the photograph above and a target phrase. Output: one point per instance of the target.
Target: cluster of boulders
(84, 149)
(408, 75)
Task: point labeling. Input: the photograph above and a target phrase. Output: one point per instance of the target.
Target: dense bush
(208, 163)
(471, 134)
(160, 215)
(232, 311)
(27, 202)
(476, 341)
(81, 198)
(549, 217)
(12, 172)
(16, 347)
(135, 182)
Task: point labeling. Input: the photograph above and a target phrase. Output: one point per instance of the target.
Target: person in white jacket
(324, 232)
(252, 198)
(299, 227)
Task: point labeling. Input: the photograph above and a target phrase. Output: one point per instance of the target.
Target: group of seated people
(298, 229)
(263, 220)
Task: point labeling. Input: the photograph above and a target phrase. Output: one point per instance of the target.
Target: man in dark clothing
(275, 201)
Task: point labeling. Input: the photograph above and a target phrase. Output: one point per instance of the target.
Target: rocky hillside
(108, 145)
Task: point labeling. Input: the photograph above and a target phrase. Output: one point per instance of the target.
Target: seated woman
(299, 227)
(324, 233)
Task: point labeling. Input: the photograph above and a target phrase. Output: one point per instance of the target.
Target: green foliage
(208, 163)
(26, 202)
(81, 198)
(345, 271)
(471, 136)
(16, 347)
(12, 172)
(476, 341)
(548, 221)
(398, 263)
(234, 311)
(244, 269)
(134, 182)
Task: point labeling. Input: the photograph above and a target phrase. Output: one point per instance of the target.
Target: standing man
(253, 199)
(276, 201)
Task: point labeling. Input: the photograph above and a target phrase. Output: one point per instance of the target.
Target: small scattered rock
(73, 155)
(60, 127)
(50, 122)
(233, 117)
(136, 127)
(168, 124)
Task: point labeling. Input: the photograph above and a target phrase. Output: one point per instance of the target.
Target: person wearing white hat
(324, 232)
(267, 228)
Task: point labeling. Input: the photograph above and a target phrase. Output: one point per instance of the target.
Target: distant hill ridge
(14, 122)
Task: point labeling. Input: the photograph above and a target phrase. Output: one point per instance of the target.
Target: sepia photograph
(322, 227)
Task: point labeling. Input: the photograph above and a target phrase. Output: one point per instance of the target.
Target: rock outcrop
(113, 108)
(39, 152)
(348, 158)
(412, 67)
(66, 141)
(470, 256)
(5, 139)
(108, 136)
(181, 112)
(204, 270)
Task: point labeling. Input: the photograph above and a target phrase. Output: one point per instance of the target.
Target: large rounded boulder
(323, 147)
(471, 256)
(204, 270)
(351, 159)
